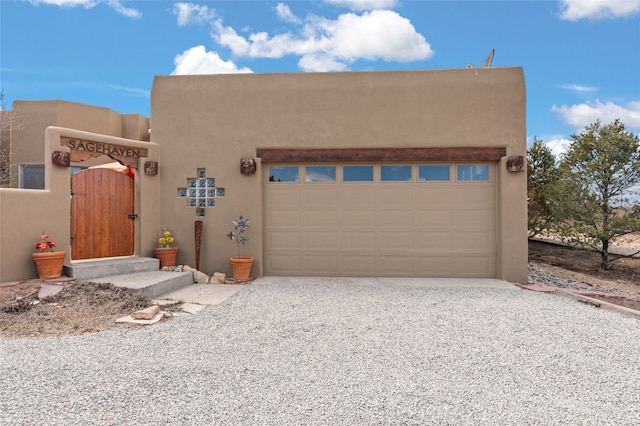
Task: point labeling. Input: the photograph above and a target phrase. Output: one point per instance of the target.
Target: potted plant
(241, 265)
(49, 262)
(165, 253)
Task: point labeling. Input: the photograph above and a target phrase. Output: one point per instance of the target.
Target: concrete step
(88, 270)
(149, 283)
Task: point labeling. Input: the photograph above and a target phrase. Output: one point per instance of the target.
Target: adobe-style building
(395, 173)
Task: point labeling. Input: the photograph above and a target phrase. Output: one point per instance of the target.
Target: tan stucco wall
(36, 116)
(212, 121)
(135, 127)
(25, 214)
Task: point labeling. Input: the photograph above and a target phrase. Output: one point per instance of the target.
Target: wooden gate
(102, 221)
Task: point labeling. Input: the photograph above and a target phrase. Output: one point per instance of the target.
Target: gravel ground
(281, 354)
(540, 275)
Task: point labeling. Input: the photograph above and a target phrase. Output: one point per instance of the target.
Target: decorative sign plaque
(61, 158)
(82, 150)
(151, 168)
(247, 166)
(516, 163)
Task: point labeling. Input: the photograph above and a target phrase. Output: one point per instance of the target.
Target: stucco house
(393, 173)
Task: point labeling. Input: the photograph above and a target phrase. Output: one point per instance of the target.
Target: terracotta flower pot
(49, 263)
(166, 255)
(241, 267)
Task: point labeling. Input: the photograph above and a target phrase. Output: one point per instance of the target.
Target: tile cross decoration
(201, 192)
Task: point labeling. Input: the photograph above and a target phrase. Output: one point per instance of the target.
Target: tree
(541, 175)
(9, 121)
(591, 201)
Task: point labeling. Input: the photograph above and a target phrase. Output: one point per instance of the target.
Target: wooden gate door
(102, 221)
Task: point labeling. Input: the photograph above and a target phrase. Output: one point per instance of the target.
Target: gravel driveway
(282, 354)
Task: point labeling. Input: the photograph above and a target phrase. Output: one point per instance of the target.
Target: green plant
(240, 226)
(594, 202)
(542, 174)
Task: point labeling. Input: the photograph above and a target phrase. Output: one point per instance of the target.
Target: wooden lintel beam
(278, 155)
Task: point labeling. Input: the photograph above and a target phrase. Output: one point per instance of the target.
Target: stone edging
(582, 298)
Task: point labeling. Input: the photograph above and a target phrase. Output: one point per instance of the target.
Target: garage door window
(283, 174)
(440, 172)
(357, 173)
(395, 173)
(320, 174)
(473, 172)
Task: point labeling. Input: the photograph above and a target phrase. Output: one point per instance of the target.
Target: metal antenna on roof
(489, 60)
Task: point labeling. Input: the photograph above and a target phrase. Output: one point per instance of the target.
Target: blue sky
(581, 59)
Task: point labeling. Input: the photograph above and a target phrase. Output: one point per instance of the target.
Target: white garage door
(394, 220)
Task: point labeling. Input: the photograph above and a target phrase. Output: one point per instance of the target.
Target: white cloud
(189, 13)
(574, 10)
(381, 34)
(320, 63)
(133, 90)
(558, 147)
(88, 4)
(364, 4)
(325, 44)
(126, 11)
(322, 44)
(581, 115)
(198, 61)
(66, 3)
(579, 88)
(284, 13)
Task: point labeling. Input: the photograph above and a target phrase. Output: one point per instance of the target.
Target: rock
(200, 277)
(48, 290)
(219, 277)
(130, 320)
(177, 268)
(146, 314)
(191, 308)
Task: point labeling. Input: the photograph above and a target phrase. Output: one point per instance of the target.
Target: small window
(396, 173)
(32, 176)
(439, 172)
(320, 174)
(357, 173)
(283, 174)
(473, 172)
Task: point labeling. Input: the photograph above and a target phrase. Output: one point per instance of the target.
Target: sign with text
(82, 150)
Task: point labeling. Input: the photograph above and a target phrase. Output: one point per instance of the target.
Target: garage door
(395, 220)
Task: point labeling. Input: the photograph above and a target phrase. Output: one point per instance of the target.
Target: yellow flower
(165, 239)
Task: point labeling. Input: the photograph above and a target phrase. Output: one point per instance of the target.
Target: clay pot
(166, 255)
(241, 267)
(49, 263)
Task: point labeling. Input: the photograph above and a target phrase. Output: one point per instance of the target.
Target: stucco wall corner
(512, 217)
(147, 204)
